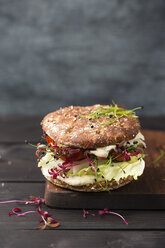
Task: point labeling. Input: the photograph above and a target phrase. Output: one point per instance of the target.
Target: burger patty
(69, 128)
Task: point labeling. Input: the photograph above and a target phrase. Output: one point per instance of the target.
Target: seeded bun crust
(69, 129)
(95, 187)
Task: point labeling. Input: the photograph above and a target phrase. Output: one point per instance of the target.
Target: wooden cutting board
(146, 193)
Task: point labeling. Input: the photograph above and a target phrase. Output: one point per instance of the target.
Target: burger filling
(78, 167)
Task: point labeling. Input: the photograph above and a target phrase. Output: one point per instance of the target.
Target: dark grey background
(59, 52)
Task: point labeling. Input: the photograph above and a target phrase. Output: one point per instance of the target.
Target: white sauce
(104, 151)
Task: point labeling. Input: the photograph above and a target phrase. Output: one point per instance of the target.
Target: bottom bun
(95, 187)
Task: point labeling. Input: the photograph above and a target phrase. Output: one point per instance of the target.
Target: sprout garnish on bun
(93, 148)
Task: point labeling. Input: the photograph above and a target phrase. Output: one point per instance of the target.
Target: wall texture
(59, 52)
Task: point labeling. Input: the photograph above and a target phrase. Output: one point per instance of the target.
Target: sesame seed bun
(70, 129)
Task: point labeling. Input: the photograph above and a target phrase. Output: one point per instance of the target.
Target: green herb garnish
(162, 154)
(111, 112)
(109, 160)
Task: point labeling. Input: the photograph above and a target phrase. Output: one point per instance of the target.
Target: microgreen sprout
(85, 213)
(102, 212)
(113, 112)
(106, 211)
(109, 160)
(37, 201)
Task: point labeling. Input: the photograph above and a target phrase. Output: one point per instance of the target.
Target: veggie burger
(93, 148)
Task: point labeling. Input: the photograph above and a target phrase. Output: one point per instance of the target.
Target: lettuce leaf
(103, 169)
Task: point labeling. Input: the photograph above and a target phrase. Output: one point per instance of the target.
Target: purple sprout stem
(118, 215)
(44, 220)
(12, 201)
(28, 212)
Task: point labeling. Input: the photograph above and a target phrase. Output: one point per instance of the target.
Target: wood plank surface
(20, 128)
(19, 163)
(81, 239)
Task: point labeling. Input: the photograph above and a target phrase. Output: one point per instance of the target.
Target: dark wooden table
(20, 178)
